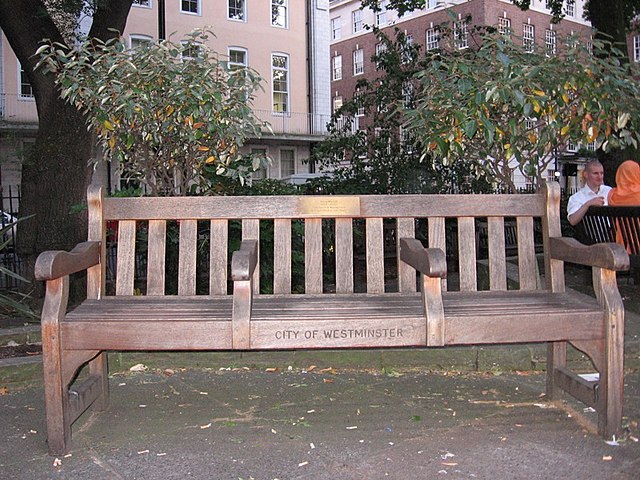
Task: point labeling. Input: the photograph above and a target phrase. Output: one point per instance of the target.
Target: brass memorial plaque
(329, 206)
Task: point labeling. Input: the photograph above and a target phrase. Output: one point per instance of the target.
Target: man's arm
(576, 217)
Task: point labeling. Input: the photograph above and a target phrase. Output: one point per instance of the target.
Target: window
(381, 48)
(431, 4)
(358, 62)
(356, 21)
(550, 42)
(358, 100)
(137, 41)
(142, 3)
(279, 13)
(337, 67)
(381, 16)
(570, 8)
(433, 39)
(636, 48)
(280, 81)
(337, 103)
(191, 50)
(237, 58)
(461, 34)
(26, 90)
(287, 162)
(336, 28)
(190, 6)
(261, 173)
(407, 49)
(528, 37)
(408, 94)
(237, 10)
(504, 26)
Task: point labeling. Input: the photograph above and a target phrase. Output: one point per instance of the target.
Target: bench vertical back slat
(375, 255)
(467, 254)
(527, 267)
(187, 257)
(125, 269)
(344, 255)
(554, 269)
(313, 255)
(156, 257)
(630, 231)
(282, 255)
(437, 238)
(497, 254)
(406, 274)
(218, 257)
(251, 231)
(96, 275)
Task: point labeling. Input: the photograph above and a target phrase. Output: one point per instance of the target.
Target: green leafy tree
(172, 115)
(368, 151)
(501, 103)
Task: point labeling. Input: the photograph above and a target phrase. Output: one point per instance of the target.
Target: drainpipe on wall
(310, 108)
(162, 21)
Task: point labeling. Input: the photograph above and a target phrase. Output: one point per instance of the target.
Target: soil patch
(25, 350)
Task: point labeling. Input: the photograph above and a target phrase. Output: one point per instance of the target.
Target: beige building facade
(285, 41)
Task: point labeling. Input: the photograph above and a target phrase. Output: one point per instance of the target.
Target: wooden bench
(407, 301)
(611, 224)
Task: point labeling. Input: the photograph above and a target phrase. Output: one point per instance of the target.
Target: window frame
(140, 37)
(504, 26)
(293, 160)
(135, 3)
(336, 33)
(429, 43)
(243, 19)
(286, 13)
(287, 92)
(550, 42)
(356, 21)
(23, 80)
(636, 48)
(336, 70)
(461, 34)
(358, 64)
(198, 5)
(528, 41)
(235, 65)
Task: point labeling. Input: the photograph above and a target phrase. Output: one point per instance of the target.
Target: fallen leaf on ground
(139, 367)
(327, 380)
(311, 368)
(607, 458)
(271, 369)
(4, 390)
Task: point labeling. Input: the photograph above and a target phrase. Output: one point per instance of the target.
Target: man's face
(594, 176)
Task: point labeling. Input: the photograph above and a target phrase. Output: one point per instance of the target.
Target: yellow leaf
(188, 120)
(564, 130)
(539, 93)
(169, 110)
(108, 125)
(565, 97)
(536, 106)
(203, 148)
(532, 137)
(112, 142)
(211, 159)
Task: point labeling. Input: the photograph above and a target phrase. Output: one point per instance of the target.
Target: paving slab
(251, 424)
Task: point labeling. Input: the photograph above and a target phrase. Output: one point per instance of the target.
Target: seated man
(594, 193)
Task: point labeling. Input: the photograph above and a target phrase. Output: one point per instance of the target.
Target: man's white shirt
(585, 194)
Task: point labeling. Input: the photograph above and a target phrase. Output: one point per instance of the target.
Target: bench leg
(611, 384)
(556, 358)
(55, 390)
(98, 367)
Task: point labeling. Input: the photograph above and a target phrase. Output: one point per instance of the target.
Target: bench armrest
(605, 255)
(58, 263)
(431, 262)
(244, 261)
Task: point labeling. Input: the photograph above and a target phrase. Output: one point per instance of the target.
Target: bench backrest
(612, 224)
(315, 244)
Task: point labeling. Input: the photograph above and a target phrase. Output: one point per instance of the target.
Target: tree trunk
(56, 173)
